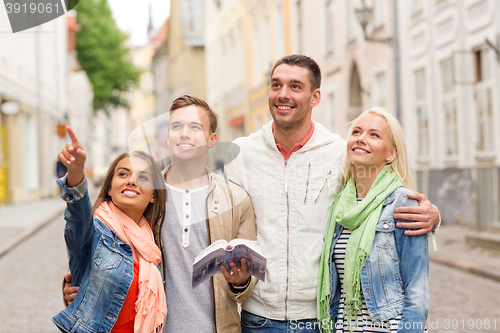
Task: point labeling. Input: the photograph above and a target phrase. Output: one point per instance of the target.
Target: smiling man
(201, 207)
(291, 168)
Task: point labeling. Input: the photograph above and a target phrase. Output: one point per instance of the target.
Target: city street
(31, 274)
(30, 282)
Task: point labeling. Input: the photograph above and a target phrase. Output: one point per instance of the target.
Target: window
(330, 22)
(280, 33)
(30, 153)
(417, 6)
(299, 25)
(449, 109)
(257, 77)
(351, 21)
(483, 98)
(378, 13)
(267, 63)
(485, 133)
(421, 109)
(380, 90)
(331, 110)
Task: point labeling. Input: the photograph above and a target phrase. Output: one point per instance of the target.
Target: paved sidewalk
(453, 251)
(18, 222)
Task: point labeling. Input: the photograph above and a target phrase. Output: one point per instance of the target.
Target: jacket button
(67, 197)
(215, 207)
(216, 202)
(114, 245)
(334, 235)
(385, 226)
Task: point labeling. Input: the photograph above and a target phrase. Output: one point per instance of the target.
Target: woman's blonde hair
(400, 164)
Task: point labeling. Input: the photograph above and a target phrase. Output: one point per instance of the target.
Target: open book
(209, 261)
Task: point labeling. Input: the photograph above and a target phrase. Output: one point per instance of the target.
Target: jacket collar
(320, 137)
(212, 178)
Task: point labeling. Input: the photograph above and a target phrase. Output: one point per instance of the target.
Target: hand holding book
(237, 276)
(236, 260)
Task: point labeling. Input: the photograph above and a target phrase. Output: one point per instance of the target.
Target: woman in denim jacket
(373, 278)
(112, 255)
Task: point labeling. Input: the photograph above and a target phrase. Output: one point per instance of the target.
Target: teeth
(360, 150)
(284, 107)
(186, 146)
(130, 193)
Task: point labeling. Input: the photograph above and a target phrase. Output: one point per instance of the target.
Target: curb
(467, 267)
(28, 232)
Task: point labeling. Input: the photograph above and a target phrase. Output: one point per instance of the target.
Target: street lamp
(364, 16)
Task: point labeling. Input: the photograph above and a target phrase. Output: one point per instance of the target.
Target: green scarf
(362, 218)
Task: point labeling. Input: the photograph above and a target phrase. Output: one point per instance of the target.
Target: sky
(133, 16)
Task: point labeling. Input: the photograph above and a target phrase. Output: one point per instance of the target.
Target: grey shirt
(184, 235)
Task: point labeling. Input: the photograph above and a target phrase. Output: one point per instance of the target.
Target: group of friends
(344, 233)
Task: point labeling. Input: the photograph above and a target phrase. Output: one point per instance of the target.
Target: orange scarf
(151, 305)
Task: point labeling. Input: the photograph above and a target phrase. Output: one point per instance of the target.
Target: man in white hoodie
(290, 168)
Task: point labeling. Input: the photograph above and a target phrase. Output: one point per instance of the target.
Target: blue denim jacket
(394, 278)
(100, 264)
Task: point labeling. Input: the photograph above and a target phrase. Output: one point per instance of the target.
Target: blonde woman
(373, 278)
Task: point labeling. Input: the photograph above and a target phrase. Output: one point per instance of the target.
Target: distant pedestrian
(112, 254)
(372, 276)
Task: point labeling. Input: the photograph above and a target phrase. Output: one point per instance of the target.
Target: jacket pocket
(384, 234)
(106, 254)
(385, 267)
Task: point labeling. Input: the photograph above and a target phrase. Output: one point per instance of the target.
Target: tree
(103, 54)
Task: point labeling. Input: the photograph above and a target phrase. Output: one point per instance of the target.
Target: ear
(316, 97)
(212, 140)
(391, 156)
(152, 200)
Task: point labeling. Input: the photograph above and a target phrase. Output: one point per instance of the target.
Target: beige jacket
(230, 215)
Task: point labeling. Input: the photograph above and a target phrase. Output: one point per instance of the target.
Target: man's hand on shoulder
(69, 292)
(425, 216)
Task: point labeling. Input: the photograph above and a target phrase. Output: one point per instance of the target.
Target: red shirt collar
(297, 146)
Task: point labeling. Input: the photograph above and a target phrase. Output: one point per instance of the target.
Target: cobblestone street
(30, 282)
(462, 302)
(31, 275)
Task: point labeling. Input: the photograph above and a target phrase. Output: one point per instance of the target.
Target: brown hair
(304, 62)
(155, 211)
(187, 100)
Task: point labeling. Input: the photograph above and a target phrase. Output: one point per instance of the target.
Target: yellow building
(243, 40)
(143, 103)
(185, 49)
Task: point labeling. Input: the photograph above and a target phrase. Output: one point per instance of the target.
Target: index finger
(410, 209)
(72, 135)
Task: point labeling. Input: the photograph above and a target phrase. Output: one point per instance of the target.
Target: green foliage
(103, 55)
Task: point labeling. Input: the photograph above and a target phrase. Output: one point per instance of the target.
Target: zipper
(211, 278)
(287, 243)
(212, 287)
(327, 181)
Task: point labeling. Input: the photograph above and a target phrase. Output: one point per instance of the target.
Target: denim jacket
(394, 278)
(100, 264)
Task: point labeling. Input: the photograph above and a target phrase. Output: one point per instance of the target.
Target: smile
(185, 145)
(130, 193)
(360, 150)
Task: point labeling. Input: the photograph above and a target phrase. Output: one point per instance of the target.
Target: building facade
(451, 82)
(243, 40)
(33, 76)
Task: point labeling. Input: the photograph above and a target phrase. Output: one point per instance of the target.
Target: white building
(449, 85)
(33, 75)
